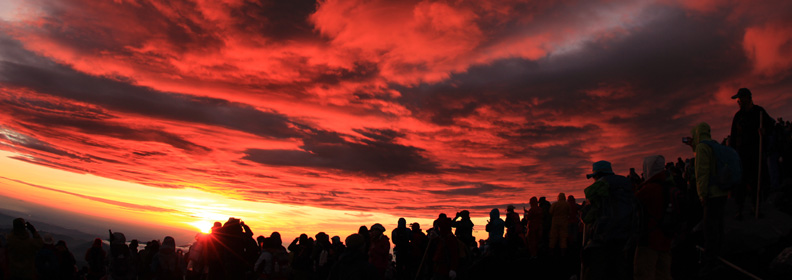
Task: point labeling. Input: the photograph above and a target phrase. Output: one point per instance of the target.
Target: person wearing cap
(379, 252)
(609, 219)
(748, 123)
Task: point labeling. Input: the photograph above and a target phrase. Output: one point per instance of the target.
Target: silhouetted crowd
(664, 223)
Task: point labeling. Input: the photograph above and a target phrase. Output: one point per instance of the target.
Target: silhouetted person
(47, 260)
(134, 259)
(401, 236)
(559, 231)
(237, 241)
(610, 221)
(353, 264)
(680, 165)
(464, 228)
(96, 258)
(574, 221)
(535, 221)
(513, 228)
(281, 268)
(67, 264)
(712, 197)
(495, 227)
(379, 253)
(165, 264)
(418, 242)
(118, 261)
(22, 244)
(653, 253)
(301, 266)
(338, 248)
(321, 255)
(196, 257)
(364, 231)
(634, 178)
(213, 255)
(446, 255)
(744, 138)
(547, 220)
(265, 263)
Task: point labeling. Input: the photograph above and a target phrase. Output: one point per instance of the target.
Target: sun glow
(203, 226)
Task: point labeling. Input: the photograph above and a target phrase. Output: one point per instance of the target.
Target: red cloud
(770, 48)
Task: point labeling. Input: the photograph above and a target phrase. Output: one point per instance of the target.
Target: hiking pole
(418, 273)
(759, 169)
(582, 247)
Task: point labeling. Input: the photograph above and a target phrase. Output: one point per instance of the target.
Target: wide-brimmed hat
(600, 167)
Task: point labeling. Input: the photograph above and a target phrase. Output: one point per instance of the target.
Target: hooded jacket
(495, 226)
(705, 163)
(650, 195)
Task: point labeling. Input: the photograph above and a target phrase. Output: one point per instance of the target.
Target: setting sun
(203, 226)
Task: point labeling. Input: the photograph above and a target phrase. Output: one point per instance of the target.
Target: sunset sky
(303, 116)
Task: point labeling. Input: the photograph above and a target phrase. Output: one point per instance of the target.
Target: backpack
(673, 217)
(619, 219)
(728, 168)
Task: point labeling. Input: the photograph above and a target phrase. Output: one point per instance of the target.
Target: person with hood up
(165, 264)
(21, 249)
(97, 259)
(281, 268)
(653, 253)
(535, 221)
(495, 226)
(712, 197)
(67, 268)
(379, 253)
(119, 260)
(559, 230)
(401, 248)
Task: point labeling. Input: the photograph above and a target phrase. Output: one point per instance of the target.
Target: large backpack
(728, 168)
(618, 220)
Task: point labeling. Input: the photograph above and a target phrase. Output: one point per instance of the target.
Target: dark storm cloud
(62, 81)
(275, 19)
(468, 189)
(674, 55)
(176, 22)
(378, 156)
